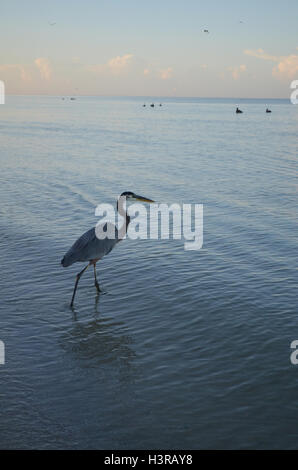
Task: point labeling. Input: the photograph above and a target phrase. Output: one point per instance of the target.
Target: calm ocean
(186, 349)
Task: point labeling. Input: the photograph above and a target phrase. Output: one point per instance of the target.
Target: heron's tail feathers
(66, 261)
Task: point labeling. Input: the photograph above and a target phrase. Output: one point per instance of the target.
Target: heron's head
(133, 196)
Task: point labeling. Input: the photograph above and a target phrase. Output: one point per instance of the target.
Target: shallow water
(186, 349)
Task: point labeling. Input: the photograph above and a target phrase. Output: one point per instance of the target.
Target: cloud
(166, 74)
(115, 65)
(237, 71)
(287, 66)
(118, 63)
(44, 67)
(24, 74)
(261, 54)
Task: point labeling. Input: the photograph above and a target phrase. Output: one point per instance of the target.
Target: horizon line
(148, 96)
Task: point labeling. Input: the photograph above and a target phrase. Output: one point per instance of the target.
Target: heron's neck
(122, 211)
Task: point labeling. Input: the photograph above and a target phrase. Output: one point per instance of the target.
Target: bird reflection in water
(99, 341)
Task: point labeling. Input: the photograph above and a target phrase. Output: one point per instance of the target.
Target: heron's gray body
(90, 248)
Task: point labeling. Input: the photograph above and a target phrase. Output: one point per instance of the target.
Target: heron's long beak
(143, 199)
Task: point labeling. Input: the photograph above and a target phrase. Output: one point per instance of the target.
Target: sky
(149, 47)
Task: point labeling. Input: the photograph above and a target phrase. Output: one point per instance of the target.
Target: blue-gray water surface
(185, 349)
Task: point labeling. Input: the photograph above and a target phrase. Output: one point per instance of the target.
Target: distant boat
(144, 106)
(160, 104)
(72, 99)
(238, 111)
(268, 110)
(152, 105)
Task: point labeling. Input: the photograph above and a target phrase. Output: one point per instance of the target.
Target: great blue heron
(91, 248)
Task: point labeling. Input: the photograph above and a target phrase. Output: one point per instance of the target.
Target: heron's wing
(89, 247)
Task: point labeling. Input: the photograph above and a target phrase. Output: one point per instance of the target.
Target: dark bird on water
(238, 111)
(268, 110)
(89, 248)
(206, 31)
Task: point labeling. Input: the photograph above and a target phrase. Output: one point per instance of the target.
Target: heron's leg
(76, 284)
(95, 279)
